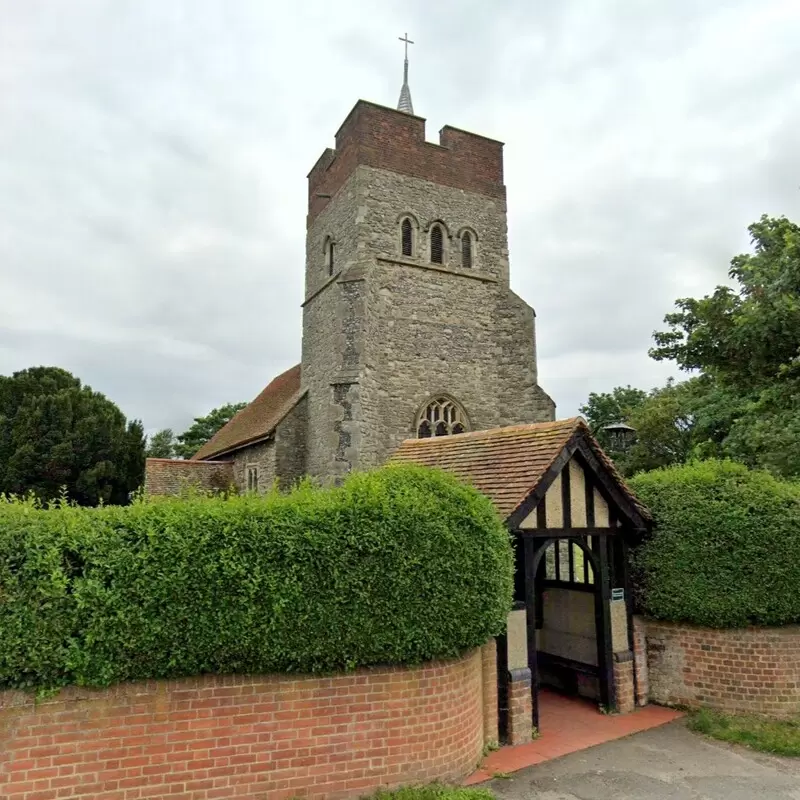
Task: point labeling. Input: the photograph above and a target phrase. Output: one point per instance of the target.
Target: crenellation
(387, 139)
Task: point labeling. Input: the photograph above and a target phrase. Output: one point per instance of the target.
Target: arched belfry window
(437, 244)
(466, 249)
(407, 237)
(442, 416)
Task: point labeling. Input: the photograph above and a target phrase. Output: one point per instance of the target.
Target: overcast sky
(153, 156)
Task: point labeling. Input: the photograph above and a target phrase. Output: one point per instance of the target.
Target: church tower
(410, 327)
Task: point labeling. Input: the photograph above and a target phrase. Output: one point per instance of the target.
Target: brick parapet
(246, 736)
(384, 138)
(749, 670)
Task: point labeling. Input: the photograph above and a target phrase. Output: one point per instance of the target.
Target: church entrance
(570, 647)
(559, 631)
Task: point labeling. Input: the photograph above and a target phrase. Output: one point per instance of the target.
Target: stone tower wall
(333, 333)
(389, 331)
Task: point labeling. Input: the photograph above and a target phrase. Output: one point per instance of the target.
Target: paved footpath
(666, 763)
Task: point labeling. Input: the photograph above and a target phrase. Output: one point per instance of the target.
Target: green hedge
(400, 565)
(726, 547)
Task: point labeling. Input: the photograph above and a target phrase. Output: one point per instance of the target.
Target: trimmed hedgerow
(726, 547)
(400, 565)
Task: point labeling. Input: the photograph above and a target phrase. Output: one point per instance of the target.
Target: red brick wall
(751, 670)
(248, 737)
(384, 138)
(520, 707)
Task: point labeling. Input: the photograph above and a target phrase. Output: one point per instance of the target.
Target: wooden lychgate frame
(605, 548)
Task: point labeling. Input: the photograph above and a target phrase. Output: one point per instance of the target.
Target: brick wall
(520, 707)
(270, 737)
(751, 670)
(376, 136)
(172, 476)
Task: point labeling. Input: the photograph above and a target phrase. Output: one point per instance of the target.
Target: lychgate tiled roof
(258, 419)
(506, 464)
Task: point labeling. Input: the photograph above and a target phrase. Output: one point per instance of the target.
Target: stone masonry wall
(333, 335)
(341, 221)
(260, 455)
(165, 476)
(319, 364)
(332, 355)
(520, 398)
(399, 330)
(751, 670)
(640, 661)
(291, 435)
(442, 328)
(268, 736)
(429, 333)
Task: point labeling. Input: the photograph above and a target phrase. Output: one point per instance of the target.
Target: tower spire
(404, 103)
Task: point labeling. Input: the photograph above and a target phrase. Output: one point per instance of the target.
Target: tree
(746, 344)
(766, 433)
(663, 419)
(666, 428)
(750, 337)
(57, 434)
(673, 423)
(605, 408)
(203, 428)
(161, 444)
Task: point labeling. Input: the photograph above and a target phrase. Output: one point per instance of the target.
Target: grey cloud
(153, 159)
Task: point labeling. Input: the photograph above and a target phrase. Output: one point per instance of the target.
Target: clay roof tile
(506, 464)
(258, 419)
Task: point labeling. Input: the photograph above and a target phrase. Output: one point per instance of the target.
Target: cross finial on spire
(404, 103)
(404, 38)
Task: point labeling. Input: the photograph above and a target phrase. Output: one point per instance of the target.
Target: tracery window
(442, 416)
(252, 477)
(437, 245)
